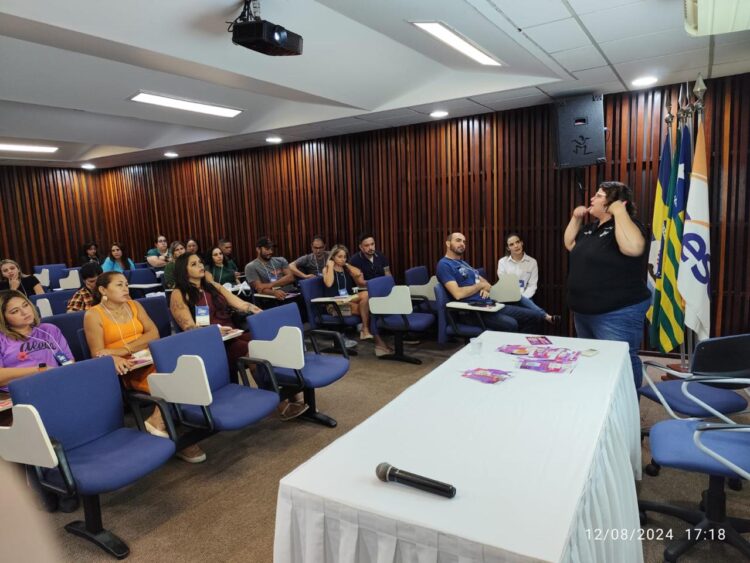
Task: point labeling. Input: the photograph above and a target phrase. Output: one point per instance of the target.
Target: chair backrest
(723, 354)
(83, 344)
(418, 275)
(58, 300)
(55, 271)
(483, 273)
(507, 289)
(141, 265)
(156, 308)
(71, 279)
(43, 305)
(266, 325)
(141, 275)
(380, 287)
(311, 289)
(69, 324)
(441, 300)
(78, 403)
(205, 342)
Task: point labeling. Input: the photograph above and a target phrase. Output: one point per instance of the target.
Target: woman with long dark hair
(118, 260)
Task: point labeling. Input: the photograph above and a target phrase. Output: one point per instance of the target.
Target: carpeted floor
(224, 509)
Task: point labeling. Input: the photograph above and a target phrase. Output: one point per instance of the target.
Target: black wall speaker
(579, 128)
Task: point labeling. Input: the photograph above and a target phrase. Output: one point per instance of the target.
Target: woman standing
(118, 260)
(27, 346)
(607, 289)
(13, 278)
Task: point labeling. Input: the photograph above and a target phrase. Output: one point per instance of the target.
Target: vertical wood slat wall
(483, 175)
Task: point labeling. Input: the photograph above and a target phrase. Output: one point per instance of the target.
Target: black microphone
(386, 472)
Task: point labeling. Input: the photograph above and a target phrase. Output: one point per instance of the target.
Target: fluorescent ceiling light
(88, 166)
(644, 81)
(27, 148)
(440, 31)
(439, 113)
(176, 103)
(274, 140)
(171, 154)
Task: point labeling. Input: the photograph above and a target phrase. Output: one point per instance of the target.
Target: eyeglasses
(162, 240)
(318, 247)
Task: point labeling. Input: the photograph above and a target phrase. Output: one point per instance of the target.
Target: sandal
(292, 410)
(365, 336)
(382, 351)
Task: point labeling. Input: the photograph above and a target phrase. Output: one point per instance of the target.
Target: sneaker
(349, 343)
(192, 454)
(292, 410)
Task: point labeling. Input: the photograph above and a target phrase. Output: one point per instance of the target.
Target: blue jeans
(529, 304)
(625, 325)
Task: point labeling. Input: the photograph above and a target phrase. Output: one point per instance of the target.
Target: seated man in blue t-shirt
(464, 283)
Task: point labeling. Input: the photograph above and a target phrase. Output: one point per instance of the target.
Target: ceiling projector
(266, 37)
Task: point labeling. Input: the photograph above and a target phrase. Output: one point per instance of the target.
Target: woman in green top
(176, 249)
(221, 272)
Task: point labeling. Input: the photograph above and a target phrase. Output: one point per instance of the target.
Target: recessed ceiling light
(644, 81)
(449, 37)
(27, 148)
(88, 166)
(171, 154)
(439, 113)
(187, 105)
(275, 140)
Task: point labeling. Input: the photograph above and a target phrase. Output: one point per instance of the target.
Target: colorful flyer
(539, 340)
(486, 375)
(546, 366)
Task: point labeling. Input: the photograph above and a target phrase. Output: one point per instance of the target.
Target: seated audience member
(229, 262)
(311, 265)
(192, 246)
(523, 266)
(117, 326)
(158, 257)
(27, 345)
(13, 278)
(89, 253)
(176, 249)
(198, 302)
(340, 278)
(373, 264)
(118, 260)
(220, 272)
(269, 274)
(83, 299)
(464, 283)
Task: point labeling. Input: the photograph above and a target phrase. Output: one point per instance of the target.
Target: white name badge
(343, 293)
(272, 278)
(202, 316)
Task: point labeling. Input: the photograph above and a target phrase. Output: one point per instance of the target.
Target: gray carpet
(224, 509)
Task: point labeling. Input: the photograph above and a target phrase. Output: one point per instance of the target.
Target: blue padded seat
(445, 327)
(720, 399)
(418, 322)
(69, 324)
(58, 300)
(313, 288)
(668, 440)
(320, 370)
(157, 309)
(234, 406)
(418, 275)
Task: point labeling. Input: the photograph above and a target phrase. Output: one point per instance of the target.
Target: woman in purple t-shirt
(26, 345)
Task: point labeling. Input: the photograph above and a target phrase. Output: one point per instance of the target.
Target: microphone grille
(382, 471)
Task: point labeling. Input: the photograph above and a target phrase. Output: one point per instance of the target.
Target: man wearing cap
(269, 274)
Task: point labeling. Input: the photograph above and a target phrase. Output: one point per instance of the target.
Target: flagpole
(682, 117)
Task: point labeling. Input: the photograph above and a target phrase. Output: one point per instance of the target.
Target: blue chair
(449, 325)
(69, 324)
(697, 395)
(482, 272)
(317, 370)
(58, 300)
(56, 271)
(721, 451)
(141, 265)
(80, 407)
(233, 406)
(156, 307)
(317, 313)
(83, 344)
(418, 275)
(391, 309)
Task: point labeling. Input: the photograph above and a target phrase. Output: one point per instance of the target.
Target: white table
(541, 462)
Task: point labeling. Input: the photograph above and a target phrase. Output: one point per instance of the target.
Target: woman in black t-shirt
(13, 278)
(340, 278)
(606, 288)
(89, 253)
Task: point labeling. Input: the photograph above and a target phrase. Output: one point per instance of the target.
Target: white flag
(695, 262)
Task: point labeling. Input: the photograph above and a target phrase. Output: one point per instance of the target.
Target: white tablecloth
(544, 465)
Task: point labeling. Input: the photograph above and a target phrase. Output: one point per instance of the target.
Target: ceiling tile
(587, 6)
(452, 106)
(663, 67)
(632, 20)
(558, 36)
(674, 40)
(731, 52)
(526, 101)
(580, 59)
(532, 12)
(492, 97)
(596, 75)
